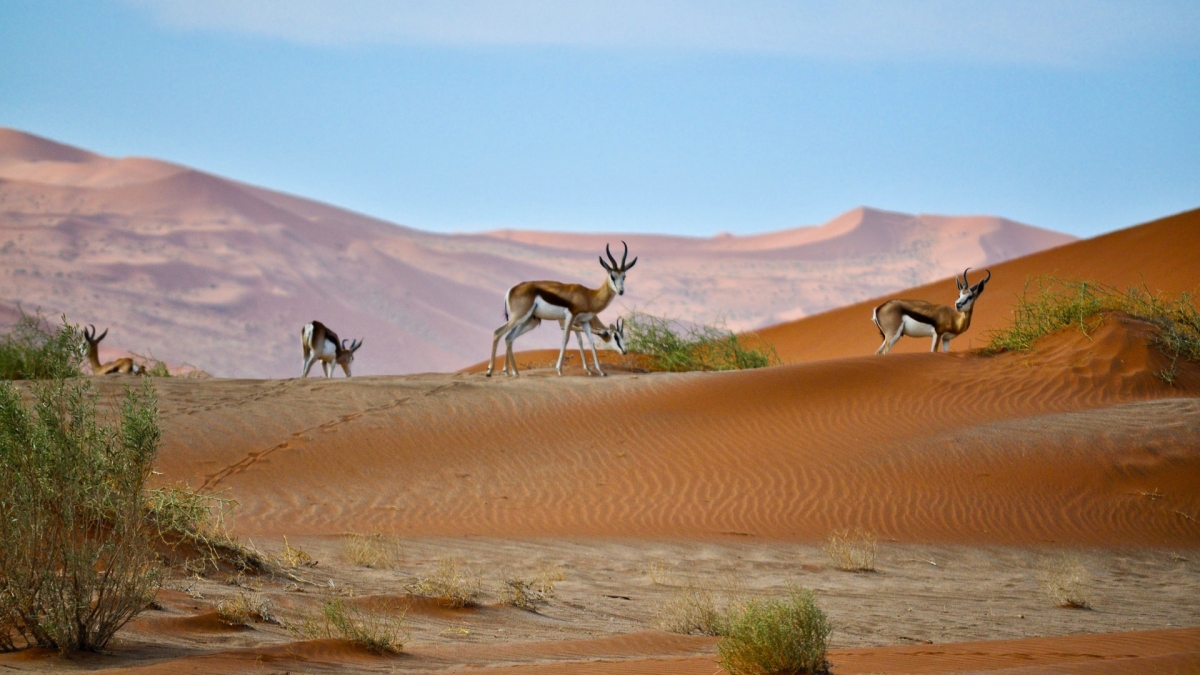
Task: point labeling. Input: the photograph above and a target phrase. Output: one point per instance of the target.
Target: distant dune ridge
(191, 267)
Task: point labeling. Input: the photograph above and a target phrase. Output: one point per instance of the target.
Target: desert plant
(33, 350)
(789, 635)
(852, 550)
(190, 529)
(521, 593)
(451, 584)
(692, 610)
(240, 609)
(294, 556)
(1065, 579)
(377, 633)
(1049, 304)
(375, 551)
(75, 557)
(159, 369)
(701, 347)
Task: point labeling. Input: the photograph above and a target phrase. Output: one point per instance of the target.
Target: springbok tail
(875, 318)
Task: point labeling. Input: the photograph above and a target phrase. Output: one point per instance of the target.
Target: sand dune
(1163, 255)
(191, 267)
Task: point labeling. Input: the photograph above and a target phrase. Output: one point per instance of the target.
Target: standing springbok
(120, 366)
(917, 318)
(573, 305)
(612, 336)
(321, 344)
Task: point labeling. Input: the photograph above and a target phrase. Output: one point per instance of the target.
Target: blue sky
(679, 116)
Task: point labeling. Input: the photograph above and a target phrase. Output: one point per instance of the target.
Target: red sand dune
(190, 267)
(1163, 255)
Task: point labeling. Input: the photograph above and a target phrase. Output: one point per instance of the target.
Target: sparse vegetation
(240, 609)
(528, 594)
(159, 369)
(294, 556)
(789, 635)
(707, 347)
(1049, 304)
(1067, 581)
(377, 633)
(374, 551)
(76, 562)
(692, 610)
(33, 350)
(190, 528)
(852, 550)
(451, 584)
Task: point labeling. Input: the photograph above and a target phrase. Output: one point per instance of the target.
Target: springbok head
(616, 272)
(614, 336)
(968, 293)
(345, 355)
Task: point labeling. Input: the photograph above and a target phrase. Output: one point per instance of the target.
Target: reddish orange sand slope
(1058, 445)
(1163, 254)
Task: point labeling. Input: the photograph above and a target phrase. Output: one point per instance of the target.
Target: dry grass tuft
(240, 609)
(377, 633)
(375, 551)
(1067, 581)
(692, 610)
(852, 550)
(528, 594)
(451, 584)
(294, 556)
(191, 528)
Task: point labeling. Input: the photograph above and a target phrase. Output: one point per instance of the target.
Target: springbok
(612, 336)
(917, 318)
(573, 305)
(321, 344)
(120, 366)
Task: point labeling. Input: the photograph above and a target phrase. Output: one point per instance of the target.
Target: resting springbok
(120, 366)
(611, 337)
(573, 305)
(321, 344)
(917, 318)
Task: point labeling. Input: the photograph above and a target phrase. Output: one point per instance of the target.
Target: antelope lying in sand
(321, 344)
(120, 366)
(917, 318)
(612, 336)
(574, 306)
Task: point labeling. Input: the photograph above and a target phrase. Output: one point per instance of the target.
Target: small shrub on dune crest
(788, 635)
(451, 584)
(852, 550)
(705, 347)
(1049, 304)
(1067, 582)
(33, 350)
(76, 562)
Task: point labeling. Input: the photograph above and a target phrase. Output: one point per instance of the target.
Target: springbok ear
(101, 336)
(630, 265)
(357, 343)
(621, 320)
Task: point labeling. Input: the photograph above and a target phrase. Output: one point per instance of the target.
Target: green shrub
(1049, 304)
(707, 347)
(777, 636)
(34, 351)
(377, 633)
(75, 557)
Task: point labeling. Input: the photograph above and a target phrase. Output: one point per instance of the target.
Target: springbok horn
(344, 347)
(965, 282)
(604, 264)
(610, 257)
(101, 335)
(624, 255)
(88, 336)
(985, 279)
(355, 345)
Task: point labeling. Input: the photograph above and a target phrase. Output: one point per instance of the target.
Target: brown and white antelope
(123, 366)
(917, 318)
(572, 305)
(321, 344)
(612, 336)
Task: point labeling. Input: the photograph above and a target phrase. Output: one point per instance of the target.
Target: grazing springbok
(917, 318)
(612, 336)
(119, 367)
(321, 344)
(573, 305)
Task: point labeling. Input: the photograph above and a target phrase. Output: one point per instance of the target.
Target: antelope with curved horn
(573, 305)
(917, 318)
(321, 344)
(120, 366)
(612, 336)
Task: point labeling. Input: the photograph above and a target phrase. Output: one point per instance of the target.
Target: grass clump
(528, 594)
(374, 551)
(294, 556)
(377, 633)
(1065, 579)
(692, 610)
(1049, 304)
(706, 347)
(76, 561)
(852, 550)
(189, 528)
(240, 609)
(789, 635)
(33, 350)
(451, 584)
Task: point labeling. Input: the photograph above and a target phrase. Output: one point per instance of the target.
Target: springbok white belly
(547, 311)
(914, 328)
(326, 351)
